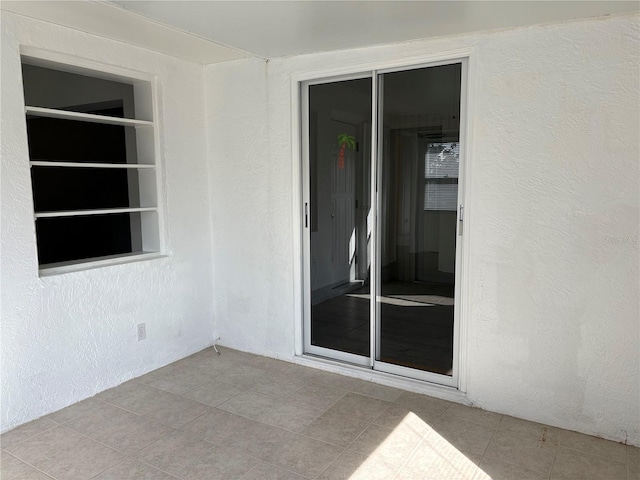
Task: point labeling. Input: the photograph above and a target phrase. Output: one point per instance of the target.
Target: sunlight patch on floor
(417, 451)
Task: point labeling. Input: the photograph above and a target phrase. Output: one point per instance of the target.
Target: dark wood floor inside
(416, 324)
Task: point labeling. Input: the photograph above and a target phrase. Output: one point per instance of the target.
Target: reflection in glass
(339, 187)
(419, 164)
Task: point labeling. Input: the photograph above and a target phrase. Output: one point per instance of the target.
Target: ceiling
(215, 31)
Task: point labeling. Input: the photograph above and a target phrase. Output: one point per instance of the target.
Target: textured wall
(552, 215)
(251, 192)
(67, 337)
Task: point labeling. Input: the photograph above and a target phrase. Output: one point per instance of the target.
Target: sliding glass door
(382, 214)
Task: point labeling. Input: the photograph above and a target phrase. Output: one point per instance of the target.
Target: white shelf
(47, 163)
(104, 211)
(89, 263)
(85, 117)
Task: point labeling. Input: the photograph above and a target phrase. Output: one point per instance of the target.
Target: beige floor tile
(273, 411)
(633, 462)
(395, 415)
(175, 379)
(278, 385)
(252, 433)
(391, 446)
(257, 439)
(131, 469)
(290, 416)
(422, 404)
(542, 432)
(215, 425)
(574, 465)
(26, 431)
(267, 363)
(212, 364)
(252, 405)
(317, 395)
(125, 389)
(469, 438)
(436, 442)
(192, 459)
(305, 456)
(359, 407)
(119, 429)
(335, 428)
(333, 379)
(13, 469)
(266, 471)
(292, 370)
(167, 408)
(354, 466)
(496, 470)
(375, 390)
(471, 414)
(213, 393)
(207, 364)
(85, 407)
(521, 450)
(597, 446)
(65, 454)
(437, 461)
(246, 378)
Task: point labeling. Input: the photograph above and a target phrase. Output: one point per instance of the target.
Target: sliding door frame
(309, 348)
(452, 380)
(300, 138)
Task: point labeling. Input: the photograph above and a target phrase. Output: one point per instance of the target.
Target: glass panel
(63, 239)
(340, 232)
(419, 161)
(45, 87)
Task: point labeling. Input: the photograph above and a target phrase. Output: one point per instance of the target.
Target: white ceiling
(214, 31)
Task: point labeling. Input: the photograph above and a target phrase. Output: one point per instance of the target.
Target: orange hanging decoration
(345, 141)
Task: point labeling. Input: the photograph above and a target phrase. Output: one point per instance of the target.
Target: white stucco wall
(551, 295)
(251, 212)
(67, 337)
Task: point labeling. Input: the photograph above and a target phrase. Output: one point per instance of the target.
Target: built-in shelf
(89, 263)
(47, 163)
(85, 117)
(103, 211)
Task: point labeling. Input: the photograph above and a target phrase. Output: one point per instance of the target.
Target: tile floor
(246, 417)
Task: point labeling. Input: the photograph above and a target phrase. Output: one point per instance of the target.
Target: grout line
(56, 425)
(156, 467)
(27, 463)
(306, 381)
(120, 452)
(553, 462)
(493, 434)
(281, 468)
(555, 453)
(415, 449)
(331, 463)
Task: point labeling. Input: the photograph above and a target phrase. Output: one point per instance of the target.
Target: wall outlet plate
(142, 331)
